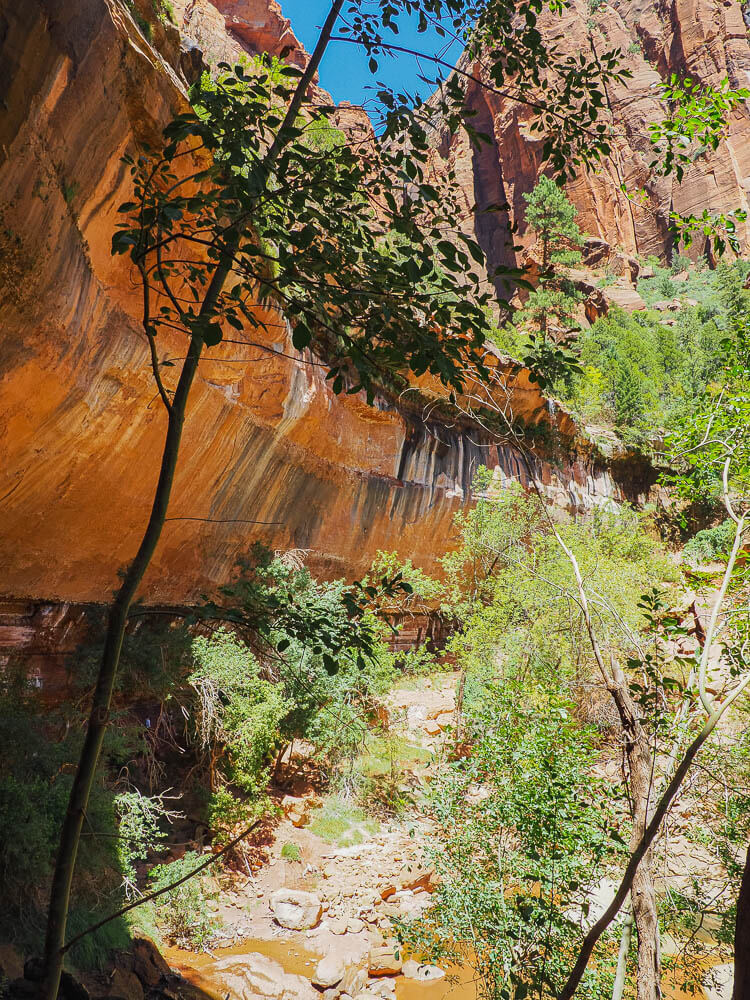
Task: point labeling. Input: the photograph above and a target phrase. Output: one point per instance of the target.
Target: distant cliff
(702, 38)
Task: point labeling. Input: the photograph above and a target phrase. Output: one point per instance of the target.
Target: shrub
(236, 714)
(184, 911)
(710, 544)
(291, 852)
(516, 864)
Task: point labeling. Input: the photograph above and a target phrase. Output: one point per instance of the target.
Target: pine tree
(550, 309)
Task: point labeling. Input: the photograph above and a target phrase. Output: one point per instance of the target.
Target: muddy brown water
(196, 969)
(458, 985)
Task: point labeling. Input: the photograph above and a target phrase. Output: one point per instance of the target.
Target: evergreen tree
(628, 394)
(550, 309)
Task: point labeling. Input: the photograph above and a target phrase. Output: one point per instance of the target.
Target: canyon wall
(269, 453)
(704, 39)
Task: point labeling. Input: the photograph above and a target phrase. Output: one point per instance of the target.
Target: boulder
(384, 988)
(248, 977)
(718, 982)
(296, 810)
(148, 962)
(296, 910)
(417, 876)
(385, 959)
(125, 984)
(354, 981)
(329, 971)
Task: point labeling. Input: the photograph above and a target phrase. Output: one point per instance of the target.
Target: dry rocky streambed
(319, 927)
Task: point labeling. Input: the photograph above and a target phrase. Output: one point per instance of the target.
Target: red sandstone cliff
(705, 39)
(265, 440)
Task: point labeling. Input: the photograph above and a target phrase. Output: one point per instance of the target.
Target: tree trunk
(643, 894)
(742, 938)
(62, 879)
(70, 835)
(618, 987)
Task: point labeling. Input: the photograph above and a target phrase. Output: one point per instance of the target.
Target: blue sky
(344, 72)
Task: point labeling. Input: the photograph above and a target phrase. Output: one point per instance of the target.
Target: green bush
(710, 544)
(515, 864)
(236, 713)
(184, 911)
(291, 852)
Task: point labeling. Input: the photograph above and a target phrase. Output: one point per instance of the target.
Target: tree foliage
(523, 837)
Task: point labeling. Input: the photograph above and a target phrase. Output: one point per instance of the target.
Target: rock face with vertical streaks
(700, 38)
(269, 453)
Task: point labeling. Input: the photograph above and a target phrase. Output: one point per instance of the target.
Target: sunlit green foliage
(644, 372)
(548, 316)
(523, 837)
(237, 713)
(185, 911)
(709, 544)
(521, 615)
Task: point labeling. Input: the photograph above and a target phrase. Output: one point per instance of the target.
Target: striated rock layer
(700, 38)
(268, 452)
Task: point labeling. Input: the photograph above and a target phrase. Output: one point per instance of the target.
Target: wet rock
(295, 909)
(248, 977)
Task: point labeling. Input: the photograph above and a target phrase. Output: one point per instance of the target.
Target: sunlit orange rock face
(700, 38)
(269, 453)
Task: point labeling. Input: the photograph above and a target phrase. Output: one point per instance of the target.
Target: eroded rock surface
(295, 909)
(705, 40)
(269, 454)
(255, 976)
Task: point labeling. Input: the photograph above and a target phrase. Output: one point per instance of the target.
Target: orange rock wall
(82, 429)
